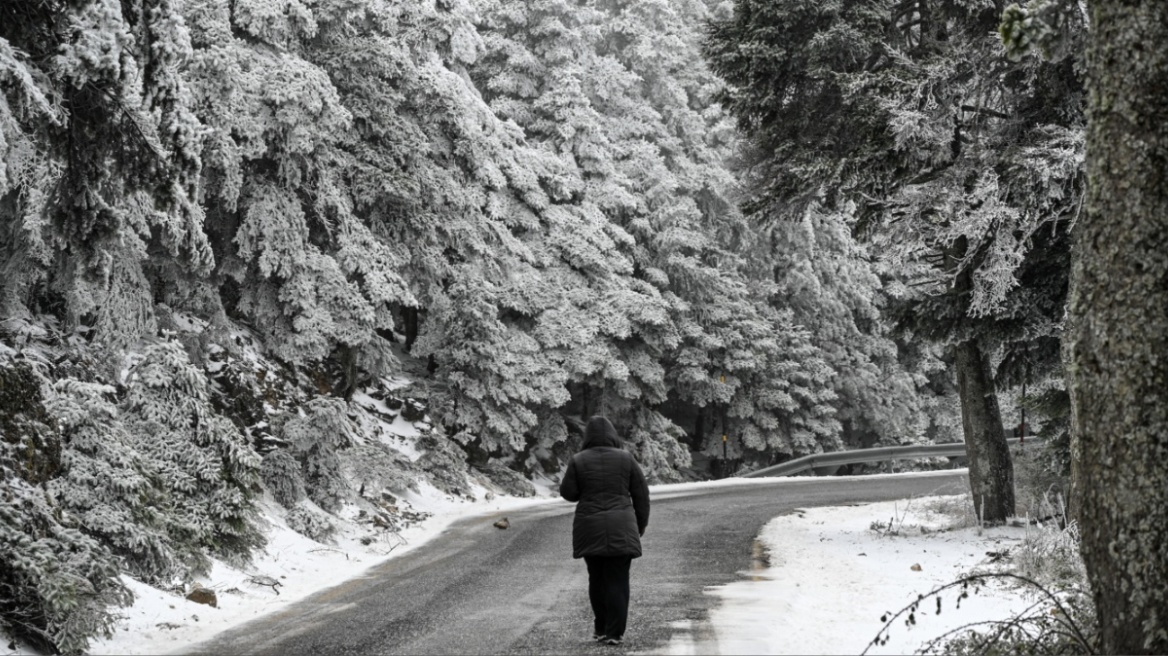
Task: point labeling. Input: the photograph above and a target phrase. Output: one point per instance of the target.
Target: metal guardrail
(857, 456)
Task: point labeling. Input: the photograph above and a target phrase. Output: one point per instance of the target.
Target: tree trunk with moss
(1118, 330)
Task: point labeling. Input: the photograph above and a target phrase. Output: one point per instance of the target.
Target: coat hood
(600, 432)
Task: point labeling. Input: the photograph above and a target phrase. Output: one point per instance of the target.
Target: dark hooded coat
(613, 508)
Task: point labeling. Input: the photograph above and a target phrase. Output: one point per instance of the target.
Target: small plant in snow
(282, 476)
(1051, 555)
(1054, 624)
(895, 524)
(1061, 620)
(958, 510)
(310, 524)
(316, 436)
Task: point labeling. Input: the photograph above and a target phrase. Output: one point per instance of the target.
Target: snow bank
(824, 576)
(161, 621)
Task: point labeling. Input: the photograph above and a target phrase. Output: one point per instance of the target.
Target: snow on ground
(833, 572)
(161, 622)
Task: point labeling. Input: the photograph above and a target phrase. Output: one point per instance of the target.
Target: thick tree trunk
(349, 372)
(991, 471)
(410, 319)
(1118, 329)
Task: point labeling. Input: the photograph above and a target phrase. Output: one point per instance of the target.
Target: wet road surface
(476, 589)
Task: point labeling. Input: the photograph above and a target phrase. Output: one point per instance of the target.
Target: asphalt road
(480, 590)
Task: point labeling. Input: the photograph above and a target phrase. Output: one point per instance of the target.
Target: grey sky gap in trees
(961, 166)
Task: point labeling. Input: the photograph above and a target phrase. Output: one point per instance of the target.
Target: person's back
(611, 515)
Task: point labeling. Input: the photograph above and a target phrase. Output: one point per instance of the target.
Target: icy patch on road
(833, 572)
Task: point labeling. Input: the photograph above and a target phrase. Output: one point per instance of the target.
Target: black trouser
(608, 590)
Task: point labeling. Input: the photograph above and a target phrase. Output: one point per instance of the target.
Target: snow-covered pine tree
(57, 582)
(617, 92)
(444, 186)
(98, 201)
(105, 486)
(840, 292)
(292, 258)
(100, 161)
(204, 468)
(315, 434)
(954, 156)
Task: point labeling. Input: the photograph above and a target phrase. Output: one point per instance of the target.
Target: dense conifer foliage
(960, 165)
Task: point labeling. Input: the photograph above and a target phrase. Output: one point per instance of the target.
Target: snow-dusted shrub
(1050, 555)
(104, 484)
(310, 523)
(204, 468)
(445, 463)
(508, 480)
(374, 466)
(282, 475)
(1058, 622)
(1047, 567)
(56, 583)
(321, 430)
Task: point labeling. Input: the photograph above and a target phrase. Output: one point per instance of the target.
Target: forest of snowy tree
(774, 227)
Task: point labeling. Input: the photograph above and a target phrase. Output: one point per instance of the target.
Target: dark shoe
(615, 642)
(598, 637)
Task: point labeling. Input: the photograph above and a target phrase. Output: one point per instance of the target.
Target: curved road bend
(480, 590)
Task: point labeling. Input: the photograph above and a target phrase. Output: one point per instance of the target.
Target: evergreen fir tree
(204, 469)
(963, 165)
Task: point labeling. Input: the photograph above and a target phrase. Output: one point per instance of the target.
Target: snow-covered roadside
(828, 574)
(162, 622)
(818, 595)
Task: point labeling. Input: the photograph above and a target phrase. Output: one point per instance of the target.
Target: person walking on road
(611, 517)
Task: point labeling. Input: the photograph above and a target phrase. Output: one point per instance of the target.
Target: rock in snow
(206, 596)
